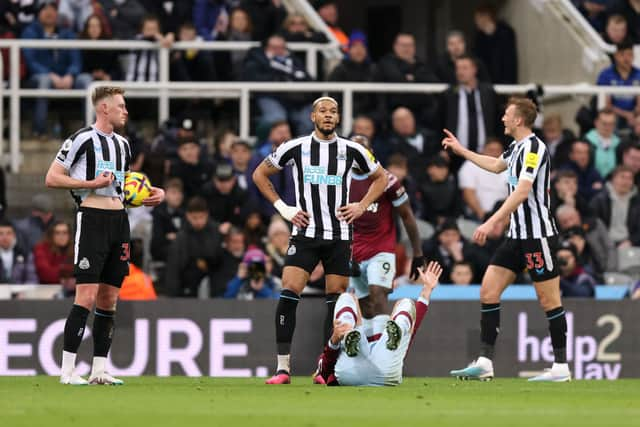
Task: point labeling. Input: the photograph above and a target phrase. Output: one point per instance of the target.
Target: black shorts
(305, 252)
(538, 256)
(101, 246)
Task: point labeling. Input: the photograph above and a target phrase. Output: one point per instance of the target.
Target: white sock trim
(284, 363)
(68, 363)
(99, 366)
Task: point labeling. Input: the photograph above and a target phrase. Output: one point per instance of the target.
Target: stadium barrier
(223, 338)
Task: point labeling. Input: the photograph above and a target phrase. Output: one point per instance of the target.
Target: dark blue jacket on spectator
(23, 270)
(578, 284)
(59, 61)
(586, 179)
(205, 16)
(241, 289)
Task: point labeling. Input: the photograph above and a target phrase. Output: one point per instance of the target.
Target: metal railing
(15, 92)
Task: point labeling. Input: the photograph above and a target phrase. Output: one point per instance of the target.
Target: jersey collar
(99, 132)
(525, 138)
(327, 141)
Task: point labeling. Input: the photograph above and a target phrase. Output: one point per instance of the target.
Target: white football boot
(480, 369)
(559, 373)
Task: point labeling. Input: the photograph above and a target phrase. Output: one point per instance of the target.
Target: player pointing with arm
(322, 217)
(92, 164)
(531, 240)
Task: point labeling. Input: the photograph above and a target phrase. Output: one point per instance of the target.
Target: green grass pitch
(182, 402)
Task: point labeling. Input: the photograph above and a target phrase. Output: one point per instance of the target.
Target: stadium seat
(615, 278)
(467, 227)
(629, 260)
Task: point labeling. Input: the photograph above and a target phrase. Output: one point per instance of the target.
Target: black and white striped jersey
(529, 159)
(322, 176)
(88, 153)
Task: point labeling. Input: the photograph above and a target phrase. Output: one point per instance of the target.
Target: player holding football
(531, 240)
(92, 164)
(349, 358)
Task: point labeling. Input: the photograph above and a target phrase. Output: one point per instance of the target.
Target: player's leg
(348, 312)
(335, 257)
(544, 272)
(380, 273)
(90, 248)
(116, 267)
(507, 260)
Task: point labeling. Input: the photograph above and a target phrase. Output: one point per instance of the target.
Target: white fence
(163, 90)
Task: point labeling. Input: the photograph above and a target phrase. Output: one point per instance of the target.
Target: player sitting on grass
(357, 357)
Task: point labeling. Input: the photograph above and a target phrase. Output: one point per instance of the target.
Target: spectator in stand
(168, 218)
(564, 191)
(222, 146)
(32, 228)
(398, 165)
(439, 192)
(633, 137)
(172, 13)
(143, 64)
(195, 253)
(365, 125)
(328, 11)
(574, 280)
(240, 158)
(54, 253)
(255, 230)
(282, 183)
(193, 169)
(482, 189)
(631, 159)
(447, 246)
(495, 45)
(274, 63)
(295, 28)
(16, 15)
(604, 142)
(470, 107)
(137, 286)
(278, 235)
(228, 203)
(240, 29)
(622, 73)
(125, 17)
(16, 263)
(51, 68)
(462, 273)
(557, 138)
(233, 250)
(7, 33)
(73, 14)
(416, 144)
(100, 64)
(589, 180)
(590, 237)
(595, 11)
(357, 67)
(630, 9)
(402, 66)
(253, 281)
(211, 19)
(446, 66)
(191, 65)
(616, 30)
(266, 16)
(3, 194)
(618, 206)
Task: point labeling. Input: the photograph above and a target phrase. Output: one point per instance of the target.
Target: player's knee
(488, 295)
(86, 300)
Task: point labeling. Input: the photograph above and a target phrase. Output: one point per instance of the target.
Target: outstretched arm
(429, 277)
(492, 164)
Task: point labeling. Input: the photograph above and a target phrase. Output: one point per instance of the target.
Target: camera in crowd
(255, 260)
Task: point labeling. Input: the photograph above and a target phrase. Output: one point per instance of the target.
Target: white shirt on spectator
(489, 187)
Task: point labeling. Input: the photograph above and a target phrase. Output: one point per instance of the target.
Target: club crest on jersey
(291, 250)
(342, 155)
(84, 264)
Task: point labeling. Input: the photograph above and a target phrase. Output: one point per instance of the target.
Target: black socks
(558, 332)
(330, 300)
(74, 328)
(489, 328)
(286, 320)
(102, 332)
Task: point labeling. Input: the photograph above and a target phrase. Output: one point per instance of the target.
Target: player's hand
(481, 233)
(103, 180)
(339, 331)
(155, 198)
(350, 212)
(450, 141)
(416, 264)
(429, 277)
(296, 216)
(301, 219)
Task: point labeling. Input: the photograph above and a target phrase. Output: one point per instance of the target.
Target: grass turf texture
(179, 401)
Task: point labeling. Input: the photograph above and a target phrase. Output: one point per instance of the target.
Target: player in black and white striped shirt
(92, 164)
(531, 241)
(322, 163)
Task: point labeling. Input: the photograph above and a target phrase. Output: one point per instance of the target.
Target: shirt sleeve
(70, 152)
(365, 159)
(395, 191)
(533, 154)
(465, 177)
(506, 155)
(282, 155)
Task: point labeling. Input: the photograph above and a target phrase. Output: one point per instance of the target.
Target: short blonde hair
(102, 92)
(525, 109)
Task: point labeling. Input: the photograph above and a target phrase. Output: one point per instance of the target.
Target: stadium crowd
(216, 236)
